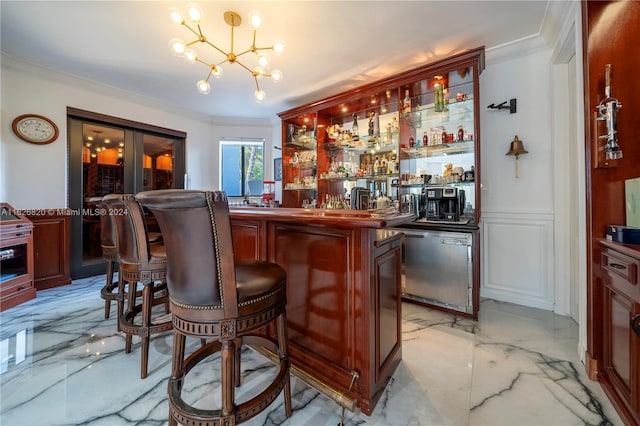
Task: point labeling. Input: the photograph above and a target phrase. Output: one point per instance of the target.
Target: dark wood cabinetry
(621, 326)
(16, 257)
(51, 246)
(610, 32)
(343, 294)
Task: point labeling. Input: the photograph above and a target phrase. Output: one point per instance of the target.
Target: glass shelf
(302, 165)
(464, 147)
(304, 142)
(301, 188)
(363, 177)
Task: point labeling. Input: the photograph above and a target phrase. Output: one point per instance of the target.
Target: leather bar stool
(140, 262)
(213, 297)
(112, 290)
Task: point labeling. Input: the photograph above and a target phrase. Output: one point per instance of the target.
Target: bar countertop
(341, 218)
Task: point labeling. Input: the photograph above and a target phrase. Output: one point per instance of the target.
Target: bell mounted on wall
(516, 148)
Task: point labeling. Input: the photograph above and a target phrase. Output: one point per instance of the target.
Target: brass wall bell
(516, 148)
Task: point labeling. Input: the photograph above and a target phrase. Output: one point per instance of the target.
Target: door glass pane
(158, 163)
(102, 173)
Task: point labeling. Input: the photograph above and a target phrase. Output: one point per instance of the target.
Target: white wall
(35, 176)
(517, 213)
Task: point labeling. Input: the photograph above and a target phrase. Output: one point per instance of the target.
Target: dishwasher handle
(411, 235)
(455, 241)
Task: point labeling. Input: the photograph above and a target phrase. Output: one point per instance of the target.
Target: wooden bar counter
(343, 293)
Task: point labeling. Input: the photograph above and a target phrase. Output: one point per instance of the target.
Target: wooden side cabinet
(621, 325)
(51, 247)
(16, 258)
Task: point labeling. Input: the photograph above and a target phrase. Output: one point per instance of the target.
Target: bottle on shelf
(354, 128)
(425, 139)
(406, 103)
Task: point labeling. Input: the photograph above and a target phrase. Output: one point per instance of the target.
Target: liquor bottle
(412, 142)
(417, 117)
(354, 128)
(406, 103)
(376, 124)
(425, 139)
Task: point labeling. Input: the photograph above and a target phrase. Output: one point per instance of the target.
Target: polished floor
(64, 364)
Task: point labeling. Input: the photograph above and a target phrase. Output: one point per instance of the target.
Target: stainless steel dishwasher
(438, 268)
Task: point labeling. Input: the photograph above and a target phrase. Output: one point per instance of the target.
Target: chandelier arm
(246, 51)
(209, 75)
(257, 85)
(216, 47)
(253, 45)
(245, 67)
(263, 48)
(197, 33)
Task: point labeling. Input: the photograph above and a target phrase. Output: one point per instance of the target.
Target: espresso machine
(443, 203)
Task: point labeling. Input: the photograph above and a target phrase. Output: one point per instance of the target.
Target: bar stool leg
(282, 346)
(147, 297)
(121, 296)
(131, 303)
(238, 354)
(107, 302)
(228, 390)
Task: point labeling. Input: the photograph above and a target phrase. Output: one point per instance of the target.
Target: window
(242, 167)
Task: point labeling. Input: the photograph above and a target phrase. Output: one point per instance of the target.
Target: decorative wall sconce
(516, 148)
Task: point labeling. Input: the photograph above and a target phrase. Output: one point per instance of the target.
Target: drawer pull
(617, 266)
(635, 324)
(19, 234)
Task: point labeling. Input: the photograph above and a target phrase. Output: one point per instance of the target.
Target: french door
(109, 155)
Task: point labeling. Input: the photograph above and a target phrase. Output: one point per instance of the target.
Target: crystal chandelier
(233, 19)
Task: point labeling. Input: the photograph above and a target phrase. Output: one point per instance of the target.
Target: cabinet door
(622, 346)
(51, 243)
(299, 160)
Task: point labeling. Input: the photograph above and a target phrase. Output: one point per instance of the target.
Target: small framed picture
(277, 169)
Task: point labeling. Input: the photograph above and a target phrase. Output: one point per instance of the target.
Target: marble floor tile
(62, 363)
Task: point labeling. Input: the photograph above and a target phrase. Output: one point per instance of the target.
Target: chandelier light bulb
(194, 12)
(260, 95)
(276, 75)
(177, 46)
(190, 55)
(216, 72)
(203, 87)
(255, 18)
(176, 16)
(263, 60)
(278, 46)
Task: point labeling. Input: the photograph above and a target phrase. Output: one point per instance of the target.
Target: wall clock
(35, 129)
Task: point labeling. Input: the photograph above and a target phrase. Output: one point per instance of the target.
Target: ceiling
(331, 46)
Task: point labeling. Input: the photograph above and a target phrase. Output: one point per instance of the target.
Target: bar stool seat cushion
(256, 280)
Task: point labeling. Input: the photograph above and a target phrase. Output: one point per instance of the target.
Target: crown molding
(514, 49)
(8, 62)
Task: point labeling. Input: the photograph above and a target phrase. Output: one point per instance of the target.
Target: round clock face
(35, 129)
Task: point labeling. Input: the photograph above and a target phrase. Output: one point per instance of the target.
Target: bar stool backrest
(196, 230)
(131, 231)
(107, 228)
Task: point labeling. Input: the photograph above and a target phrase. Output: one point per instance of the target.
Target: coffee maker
(444, 203)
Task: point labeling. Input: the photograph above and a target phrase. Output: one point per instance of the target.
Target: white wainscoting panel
(517, 258)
